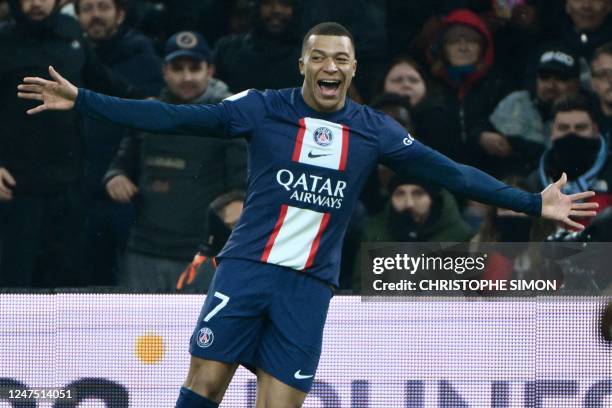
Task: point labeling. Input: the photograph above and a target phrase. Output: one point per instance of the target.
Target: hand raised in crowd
(495, 144)
(121, 189)
(560, 207)
(6, 182)
(58, 94)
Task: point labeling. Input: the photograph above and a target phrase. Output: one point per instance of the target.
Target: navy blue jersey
(306, 168)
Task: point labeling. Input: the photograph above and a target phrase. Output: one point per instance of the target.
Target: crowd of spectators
(519, 88)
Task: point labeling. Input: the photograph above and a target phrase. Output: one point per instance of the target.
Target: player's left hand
(560, 207)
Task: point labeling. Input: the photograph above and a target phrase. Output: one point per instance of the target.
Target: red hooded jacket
(435, 51)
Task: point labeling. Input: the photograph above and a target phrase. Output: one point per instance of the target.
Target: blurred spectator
(579, 150)
(515, 26)
(212, 18)
(513, 261)
(417, 212)
(266, 56)
(223, 215)
(130, 55)
(374, 194)
(601, 82)
(405, 77)
(4, 10)
(461, 56)
(41, 156)
(520, 124)
(397, 106)
(173, 179)
(406, 19)
(589, 25)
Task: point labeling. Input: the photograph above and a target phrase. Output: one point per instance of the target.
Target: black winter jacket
(44, 152)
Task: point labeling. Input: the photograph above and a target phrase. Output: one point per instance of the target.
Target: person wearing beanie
(418, 212)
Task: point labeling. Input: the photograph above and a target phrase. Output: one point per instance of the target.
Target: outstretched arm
(476, 184)
(409, 156)
(150, 116)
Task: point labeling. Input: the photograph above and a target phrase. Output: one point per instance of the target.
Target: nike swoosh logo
(314, 156)
(299, 376)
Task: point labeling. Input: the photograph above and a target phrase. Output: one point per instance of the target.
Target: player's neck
(312, 103)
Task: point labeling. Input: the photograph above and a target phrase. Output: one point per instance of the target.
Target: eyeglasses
(602, 74)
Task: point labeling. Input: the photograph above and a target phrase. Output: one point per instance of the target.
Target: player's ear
(301, 65)
(354, 67)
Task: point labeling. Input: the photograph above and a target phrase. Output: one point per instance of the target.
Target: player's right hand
(58, 94)
(121, 189)
(6, 182)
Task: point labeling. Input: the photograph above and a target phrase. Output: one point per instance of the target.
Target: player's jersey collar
(307, 111)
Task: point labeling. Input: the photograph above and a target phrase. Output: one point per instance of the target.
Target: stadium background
(131, 349)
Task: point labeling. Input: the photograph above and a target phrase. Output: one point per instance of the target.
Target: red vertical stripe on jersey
(275, 231)
(345, 144)
(315, 244)
(298, 141)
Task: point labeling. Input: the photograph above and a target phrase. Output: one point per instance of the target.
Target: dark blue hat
(187, 44)
(561, 61)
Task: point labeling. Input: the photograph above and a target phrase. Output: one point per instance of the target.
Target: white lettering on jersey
(311, 189)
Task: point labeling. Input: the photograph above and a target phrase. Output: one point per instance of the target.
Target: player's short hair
(605, 49)
(119, 4)
(328, 28)
(578, 103)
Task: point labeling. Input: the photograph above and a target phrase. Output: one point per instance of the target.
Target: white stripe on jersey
(295, 239)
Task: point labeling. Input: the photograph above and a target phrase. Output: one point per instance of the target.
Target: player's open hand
(560, 207)
(58, 94)
(6, 182)
(121, 189)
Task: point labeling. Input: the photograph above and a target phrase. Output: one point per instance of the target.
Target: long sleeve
(473, 183)
(406, 155)
(237, 116)
(153, 116)
(235, 165)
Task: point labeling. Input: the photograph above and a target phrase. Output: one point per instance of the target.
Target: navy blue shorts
(264, 316)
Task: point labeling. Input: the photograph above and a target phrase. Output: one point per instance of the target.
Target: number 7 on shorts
(224, 300)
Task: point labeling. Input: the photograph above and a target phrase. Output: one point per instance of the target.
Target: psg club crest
(205, 337)
(323, 136)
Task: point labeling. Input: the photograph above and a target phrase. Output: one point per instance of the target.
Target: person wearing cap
(130, 54)
(518, 129)
(172, 180)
